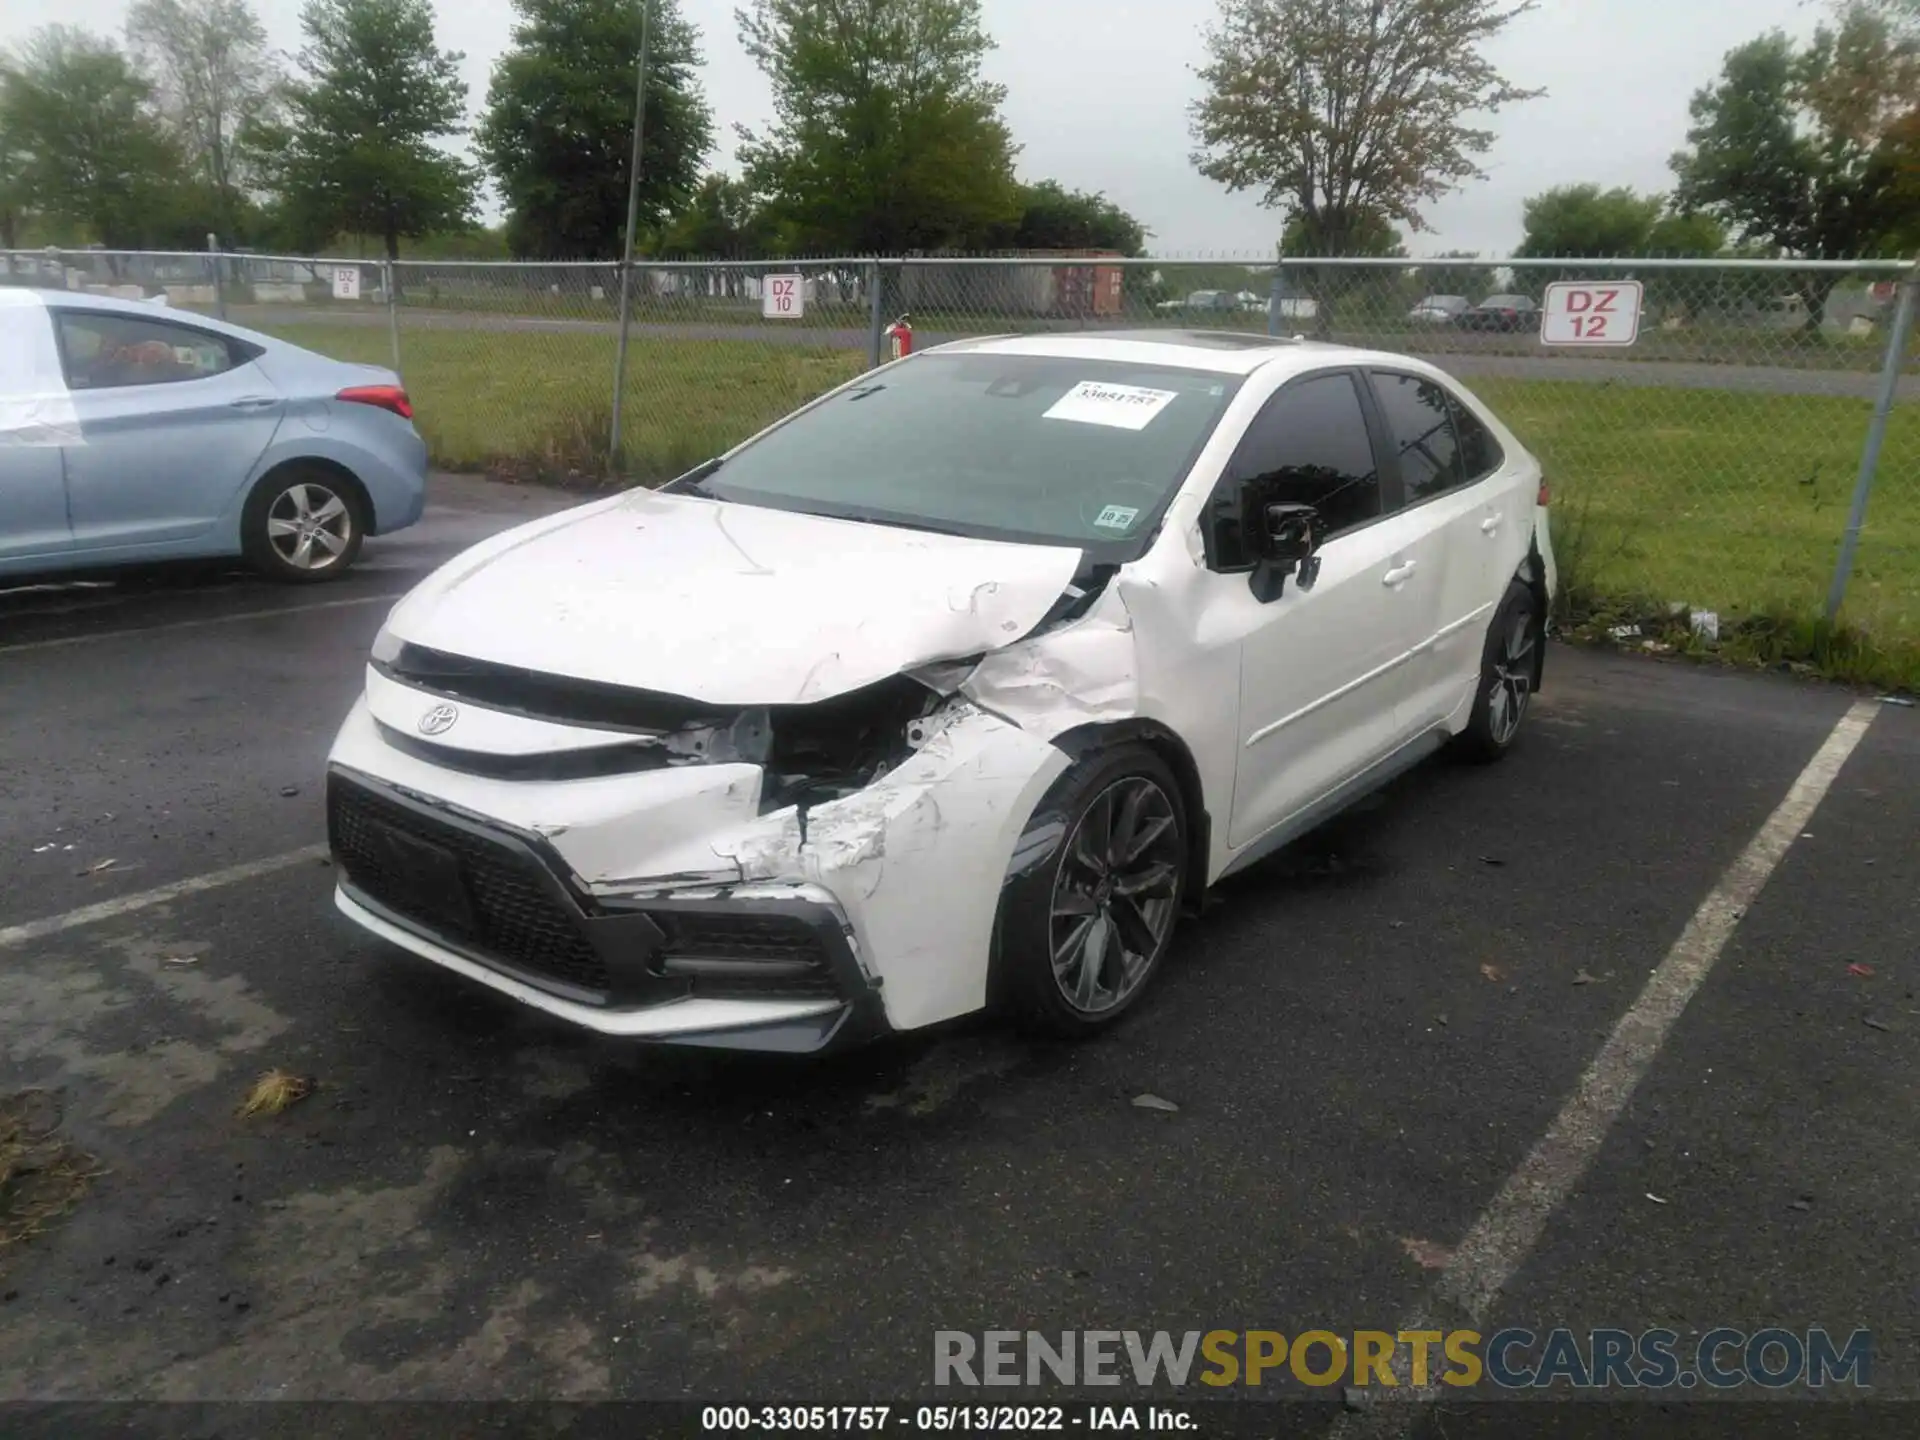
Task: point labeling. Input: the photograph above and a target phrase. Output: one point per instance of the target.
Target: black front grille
(509, 915)
(741, 955)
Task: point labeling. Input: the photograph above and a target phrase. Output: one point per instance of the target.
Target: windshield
(1004, 447)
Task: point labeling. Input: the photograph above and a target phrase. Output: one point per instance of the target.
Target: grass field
(1724, 500)
(541, 405)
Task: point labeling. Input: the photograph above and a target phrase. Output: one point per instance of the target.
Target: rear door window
(1419, 419)
(103, 351)
(1480, 453)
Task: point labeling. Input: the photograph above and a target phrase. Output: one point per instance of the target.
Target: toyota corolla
(954, 689)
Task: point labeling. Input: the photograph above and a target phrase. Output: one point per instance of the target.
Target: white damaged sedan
(953, 689)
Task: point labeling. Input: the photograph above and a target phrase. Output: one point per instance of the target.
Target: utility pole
(633, 225)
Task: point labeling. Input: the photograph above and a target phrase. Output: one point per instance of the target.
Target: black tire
(324, 510)
(1510, 669)
(1123, 797)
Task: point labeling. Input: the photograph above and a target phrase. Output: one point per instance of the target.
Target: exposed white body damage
(736, 606)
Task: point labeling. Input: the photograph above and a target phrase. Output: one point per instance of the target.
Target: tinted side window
(1312, 437)
(1419, 421)
(104, 350)
(1480, 453)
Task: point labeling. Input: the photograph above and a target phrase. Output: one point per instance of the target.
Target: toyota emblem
(439, 719)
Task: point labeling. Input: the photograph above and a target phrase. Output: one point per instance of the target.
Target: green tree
(92, 158)
(1053, 217)
(1368, 236)
(557, 134)
(1368, 290)
(885, 137)
(1800, 148)
(1584, 221)
(1475, 282)
(721, 221)
(1344, 112)
(1687, 236)
(13, 164)
(357, 153)
(214, 77)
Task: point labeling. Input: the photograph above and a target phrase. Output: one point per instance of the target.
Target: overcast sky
(1098, 90)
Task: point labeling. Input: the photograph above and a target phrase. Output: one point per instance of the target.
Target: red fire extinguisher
(900, 338)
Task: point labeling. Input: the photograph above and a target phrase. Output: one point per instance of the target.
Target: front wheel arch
(1083, 740)
(254, 543)
(333, 469)
(1022, 979)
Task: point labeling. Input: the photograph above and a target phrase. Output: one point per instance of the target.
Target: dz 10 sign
(1590, 312)
(783, 297)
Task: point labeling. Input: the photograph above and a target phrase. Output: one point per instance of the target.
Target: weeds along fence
(1751, 447)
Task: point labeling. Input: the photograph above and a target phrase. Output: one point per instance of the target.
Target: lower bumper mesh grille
(483, 896)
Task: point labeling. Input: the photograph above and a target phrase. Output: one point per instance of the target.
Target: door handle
(1399, 575)
(1491, 523)
(253, 402)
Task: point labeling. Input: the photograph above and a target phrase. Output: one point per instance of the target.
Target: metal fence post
(393, 312)
(633, 227)
(1876, 439)
(876, 312)
(219, 289)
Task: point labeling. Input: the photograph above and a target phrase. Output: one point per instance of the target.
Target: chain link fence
(1711, 464)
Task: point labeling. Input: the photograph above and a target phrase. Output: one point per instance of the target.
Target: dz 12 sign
(1592, 312)
(783, 297)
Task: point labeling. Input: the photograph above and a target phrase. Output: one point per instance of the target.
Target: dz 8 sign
(783, 297)
(1592, 312)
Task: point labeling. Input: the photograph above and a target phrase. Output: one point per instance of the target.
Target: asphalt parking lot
(1366, 1039)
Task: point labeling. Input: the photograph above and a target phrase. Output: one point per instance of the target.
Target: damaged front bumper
(665, 905)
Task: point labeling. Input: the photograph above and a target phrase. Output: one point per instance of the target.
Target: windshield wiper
(694, 481)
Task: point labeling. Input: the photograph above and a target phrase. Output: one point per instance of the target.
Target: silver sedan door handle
(254, 402)
(1399, 575)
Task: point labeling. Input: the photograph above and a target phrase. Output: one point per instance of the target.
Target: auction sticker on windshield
(1123, 407)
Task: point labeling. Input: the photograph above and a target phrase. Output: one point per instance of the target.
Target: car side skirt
(1382, 771)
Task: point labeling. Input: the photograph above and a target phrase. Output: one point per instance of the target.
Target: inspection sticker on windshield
(1117, 517)
(1123, 407)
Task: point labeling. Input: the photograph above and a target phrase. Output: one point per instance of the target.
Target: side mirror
(1285, 539)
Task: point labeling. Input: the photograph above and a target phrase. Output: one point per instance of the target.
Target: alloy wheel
(1115, 895)
(1511, 687)
(309, 526)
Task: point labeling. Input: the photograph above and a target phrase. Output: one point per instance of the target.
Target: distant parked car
(1502, 312)
(1201, 302)
(1440, 310)
(132, 433)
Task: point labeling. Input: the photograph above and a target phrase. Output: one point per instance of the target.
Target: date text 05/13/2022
(940, 1419)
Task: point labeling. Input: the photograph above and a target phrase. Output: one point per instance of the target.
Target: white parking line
(198, 624)
(13, 935)
(1503, 1236)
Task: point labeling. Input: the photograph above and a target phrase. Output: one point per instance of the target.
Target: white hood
(729, 604)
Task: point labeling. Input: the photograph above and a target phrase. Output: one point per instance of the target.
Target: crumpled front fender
(917, 859)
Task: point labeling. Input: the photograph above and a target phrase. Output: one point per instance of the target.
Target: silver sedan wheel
(309, 526)
(1115, 894)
